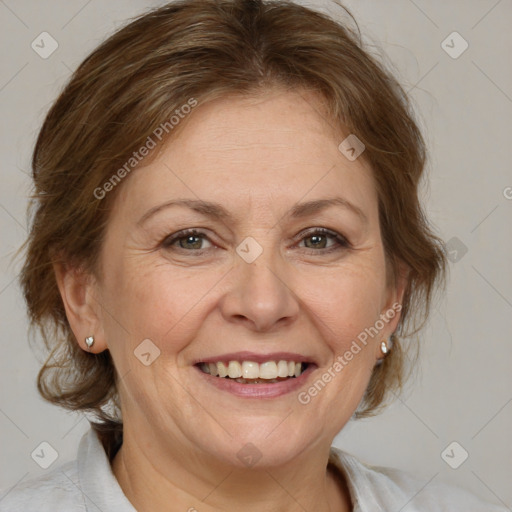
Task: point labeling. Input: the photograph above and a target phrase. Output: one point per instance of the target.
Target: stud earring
(89, 341)
(384, 347)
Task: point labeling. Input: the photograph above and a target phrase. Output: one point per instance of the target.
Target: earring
(89, 341)
(384, 347)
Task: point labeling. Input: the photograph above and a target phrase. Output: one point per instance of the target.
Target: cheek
(148, 298)
(348, 300)
(155, 300)
(343, 315)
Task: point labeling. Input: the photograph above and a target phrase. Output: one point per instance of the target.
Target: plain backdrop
(462, 389)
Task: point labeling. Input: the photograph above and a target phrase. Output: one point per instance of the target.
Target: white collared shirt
(88, 484)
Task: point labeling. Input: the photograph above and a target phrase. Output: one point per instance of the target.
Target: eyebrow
(218, 212)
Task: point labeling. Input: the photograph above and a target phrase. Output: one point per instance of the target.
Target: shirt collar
(99, 486)
(355, 474)
(102, 492)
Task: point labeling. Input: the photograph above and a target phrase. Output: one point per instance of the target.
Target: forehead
(273, 148)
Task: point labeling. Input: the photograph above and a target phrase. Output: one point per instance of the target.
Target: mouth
(251, 372)
(256, 376)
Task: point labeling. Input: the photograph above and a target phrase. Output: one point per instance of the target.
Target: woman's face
(258, 179)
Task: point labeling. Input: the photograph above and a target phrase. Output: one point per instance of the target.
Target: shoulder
(56, 490)
(87, 483)
(376, 488)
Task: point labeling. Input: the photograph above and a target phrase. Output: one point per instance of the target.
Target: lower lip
(273, 390)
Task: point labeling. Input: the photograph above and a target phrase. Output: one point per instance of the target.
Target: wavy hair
(136, 80)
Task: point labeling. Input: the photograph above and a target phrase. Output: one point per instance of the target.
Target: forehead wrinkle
(217, 211)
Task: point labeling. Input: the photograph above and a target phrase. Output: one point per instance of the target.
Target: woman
(226, 251)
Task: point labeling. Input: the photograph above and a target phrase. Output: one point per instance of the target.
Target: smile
(252, 375)
(251, 372)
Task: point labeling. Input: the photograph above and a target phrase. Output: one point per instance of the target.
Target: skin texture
(257, 156)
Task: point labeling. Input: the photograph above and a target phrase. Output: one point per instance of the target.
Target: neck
(152, 480)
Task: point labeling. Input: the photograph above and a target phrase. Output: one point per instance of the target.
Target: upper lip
(257, 358)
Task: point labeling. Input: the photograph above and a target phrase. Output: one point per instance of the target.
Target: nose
(259, 296)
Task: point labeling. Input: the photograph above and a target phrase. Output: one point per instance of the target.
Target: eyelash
(341, 241)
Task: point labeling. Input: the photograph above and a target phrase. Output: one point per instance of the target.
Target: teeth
(222, 371)
(250, 370)
(268, 371)
(213, 368)
(234, 369)
(282, 369)
(257, 381)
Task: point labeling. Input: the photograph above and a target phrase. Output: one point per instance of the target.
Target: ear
(78, 291)
(391, 313)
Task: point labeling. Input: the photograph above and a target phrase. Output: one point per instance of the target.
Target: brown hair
(135, 81)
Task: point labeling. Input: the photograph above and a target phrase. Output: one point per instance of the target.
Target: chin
(260, 443)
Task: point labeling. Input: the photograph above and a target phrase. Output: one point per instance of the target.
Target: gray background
(462, 390)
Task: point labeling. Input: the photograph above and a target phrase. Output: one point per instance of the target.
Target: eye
(318, 238)
(188, 240)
